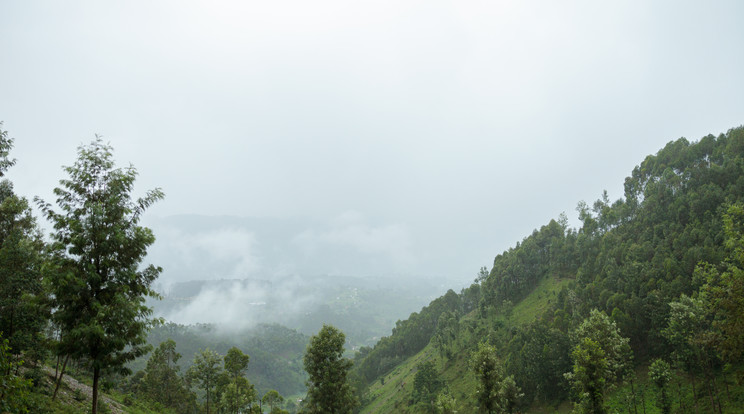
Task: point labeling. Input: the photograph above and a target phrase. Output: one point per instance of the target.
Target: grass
(393, 396)
(534, 304)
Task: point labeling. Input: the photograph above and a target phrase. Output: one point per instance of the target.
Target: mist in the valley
(235, 305)
(238, 272)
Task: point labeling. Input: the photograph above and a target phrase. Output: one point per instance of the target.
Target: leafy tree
(6, 144)
(601, 356)
(98, 289)
(724, 291)
(485, 364)
(272, 398)
(161, 382)
(237, 394)
(686, 326)
(482, 275)
(660, 373)
(236, 362)
(205, 370)
(446, 403)
(14, 389)
(426, 383)
(328, 390)
(589, 376)
(22, 317)
(446, 333)
(510, 394)
(616, 348)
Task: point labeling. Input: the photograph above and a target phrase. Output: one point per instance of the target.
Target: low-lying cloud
(239, 304)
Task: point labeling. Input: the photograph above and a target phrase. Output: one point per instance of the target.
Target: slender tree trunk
(96, 374)
(59, 380)
(632, 391)
(694, 393)
(679, 396)
(10, 334)
(643, 399)
(56, 367)
(710, 394)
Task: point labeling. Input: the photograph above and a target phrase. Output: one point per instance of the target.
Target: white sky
(449, 128)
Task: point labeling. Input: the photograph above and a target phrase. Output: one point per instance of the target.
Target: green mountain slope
(629, 259)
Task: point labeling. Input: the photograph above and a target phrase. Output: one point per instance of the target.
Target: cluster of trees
(81, 298)
(82, 295)
(661, 268)
(276, 351)
(221, 379)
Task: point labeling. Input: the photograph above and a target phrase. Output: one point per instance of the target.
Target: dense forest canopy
(635, 259)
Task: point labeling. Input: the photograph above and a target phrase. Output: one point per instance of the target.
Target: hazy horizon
(405, 138)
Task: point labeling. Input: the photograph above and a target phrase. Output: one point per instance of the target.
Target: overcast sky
(438, 133)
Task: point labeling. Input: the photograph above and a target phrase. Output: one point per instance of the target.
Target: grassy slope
(74, 397)
(393, 396)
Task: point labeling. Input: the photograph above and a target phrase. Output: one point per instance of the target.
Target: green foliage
(448, 327)
(495, 394)
(328, 390)
(161, 382)
(276, 352)
(235, 392)
(603, 331)
(601, 356)
(205, 371)
(97, 288)
(589, 376)
(426, 384)
(236, 362)
(272, 398)
(664, 262)
(237, 396)
(724, 290)
(446, 403)
(660, 373)
(22, 314)
(6, 144)
(487, 370)
(408, 337)
(685, 331)
(14, 390)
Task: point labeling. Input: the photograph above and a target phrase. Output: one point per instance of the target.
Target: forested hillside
(653, 278)
(638, 310)
(275, 351)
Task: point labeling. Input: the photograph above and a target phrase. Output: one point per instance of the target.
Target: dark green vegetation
(76, 305)
(275, 351)
(638, 310)
(328, 388)
(96, 291)
(579, 314)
